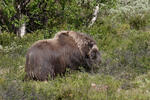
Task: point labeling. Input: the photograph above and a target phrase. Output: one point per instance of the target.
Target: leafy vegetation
(123, 37)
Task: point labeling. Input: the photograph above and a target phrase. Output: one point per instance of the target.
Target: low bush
(133, 12)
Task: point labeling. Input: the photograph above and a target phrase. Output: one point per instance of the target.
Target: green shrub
(129, 58)
(6, 38)
(134, 12)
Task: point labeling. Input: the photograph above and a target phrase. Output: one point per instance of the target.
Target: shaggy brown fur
(68, 49)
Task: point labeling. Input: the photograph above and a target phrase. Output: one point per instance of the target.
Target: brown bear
(68, 49)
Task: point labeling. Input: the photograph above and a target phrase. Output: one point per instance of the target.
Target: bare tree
(20, 6)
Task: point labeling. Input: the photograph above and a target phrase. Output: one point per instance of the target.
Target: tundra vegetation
(122, 33)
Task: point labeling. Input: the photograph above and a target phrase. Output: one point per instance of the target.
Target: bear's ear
(61, 34)
(65, 34)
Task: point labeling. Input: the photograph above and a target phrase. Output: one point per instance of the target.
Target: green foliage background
(122, 33)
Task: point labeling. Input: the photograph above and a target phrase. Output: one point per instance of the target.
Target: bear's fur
(68, 49)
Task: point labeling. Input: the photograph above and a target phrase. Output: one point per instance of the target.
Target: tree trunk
(21, 31)
(95, 14)
(0, 30)
(20, 8)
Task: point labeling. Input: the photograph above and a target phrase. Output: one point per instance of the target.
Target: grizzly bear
(68, 49)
